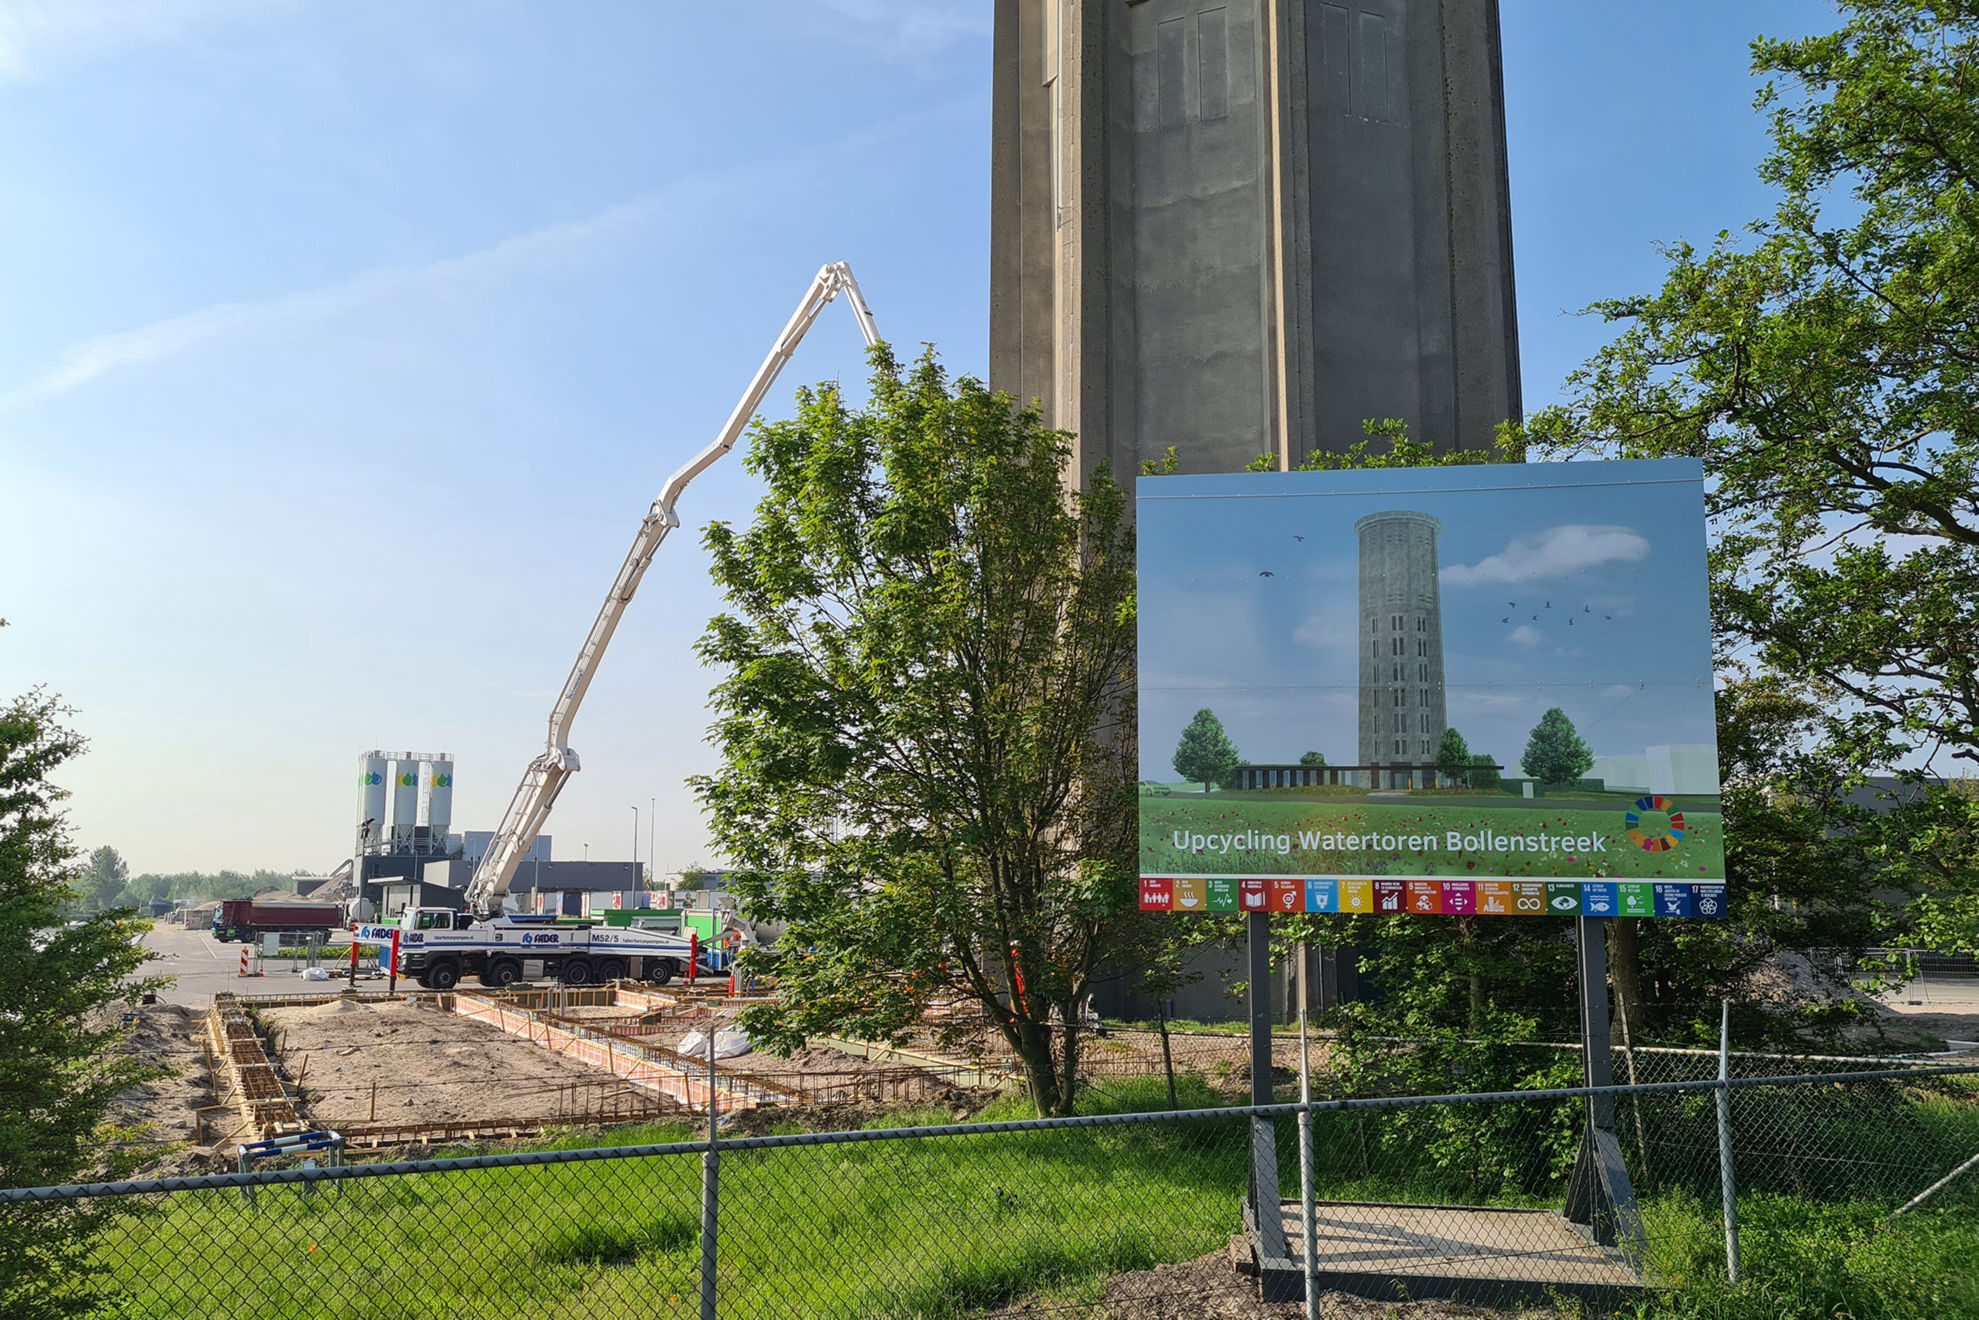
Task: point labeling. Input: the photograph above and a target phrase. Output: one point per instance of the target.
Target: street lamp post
(635, 847)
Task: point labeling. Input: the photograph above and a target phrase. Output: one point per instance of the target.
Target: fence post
(1308, 1210)
(1726, 1178)
(710, 1191)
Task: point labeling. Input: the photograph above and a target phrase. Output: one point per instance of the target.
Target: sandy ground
(430, 1066)
(1209, 1288)
(1944, 1008)
(810, 1059)
(160, 1113)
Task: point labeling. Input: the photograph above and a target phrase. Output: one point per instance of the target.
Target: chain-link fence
(1125, 1214)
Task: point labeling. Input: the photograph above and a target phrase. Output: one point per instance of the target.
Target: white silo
(372, 772)
(436, 799)
(405, 802)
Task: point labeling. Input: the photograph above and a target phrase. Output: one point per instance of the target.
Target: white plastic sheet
(728, 1044)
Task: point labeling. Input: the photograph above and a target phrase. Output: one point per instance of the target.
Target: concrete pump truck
(439, 945)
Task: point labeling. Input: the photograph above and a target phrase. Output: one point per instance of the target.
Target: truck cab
(419, 918)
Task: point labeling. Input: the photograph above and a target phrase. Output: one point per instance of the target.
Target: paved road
(204, 967)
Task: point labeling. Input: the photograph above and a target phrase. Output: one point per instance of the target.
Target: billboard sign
(1438, 691)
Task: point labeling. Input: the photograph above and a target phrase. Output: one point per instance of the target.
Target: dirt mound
(341, 1007)
(159, 1114)
(1209, 1288)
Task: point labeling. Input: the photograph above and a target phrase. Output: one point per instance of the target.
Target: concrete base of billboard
(1402, 1252)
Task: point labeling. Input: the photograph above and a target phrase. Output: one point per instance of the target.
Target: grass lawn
(928, 1228)
(1698, 856)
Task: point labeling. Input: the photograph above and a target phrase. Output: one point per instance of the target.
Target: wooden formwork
(534, 998)
(266, 1105)
(662, 1070)
(579, 1106)
(357, 996)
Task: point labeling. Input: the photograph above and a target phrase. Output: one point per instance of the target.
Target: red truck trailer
(246, 920)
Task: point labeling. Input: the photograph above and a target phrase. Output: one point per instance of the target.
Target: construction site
(398, 1071)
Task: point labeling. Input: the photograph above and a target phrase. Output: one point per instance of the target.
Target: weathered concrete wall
(1243, 226)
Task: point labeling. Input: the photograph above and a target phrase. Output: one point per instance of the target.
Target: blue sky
(345, 344)
(1559, 586)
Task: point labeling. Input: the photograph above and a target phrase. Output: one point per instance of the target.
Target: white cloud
(1525, 635)
(1556, 552)
(910, 29)
(38, 33)
(1486, 701)
(85, 362)
(1323, 632)
(696, 194)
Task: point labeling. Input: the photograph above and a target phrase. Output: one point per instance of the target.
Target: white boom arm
(530, 807)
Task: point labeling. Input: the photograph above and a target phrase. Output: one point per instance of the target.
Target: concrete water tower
(1402, 709)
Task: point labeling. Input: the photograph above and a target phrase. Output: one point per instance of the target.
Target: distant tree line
(107, 884)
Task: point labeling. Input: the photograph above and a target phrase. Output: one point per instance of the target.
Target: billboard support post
(1264, 1215)
(1600, 1198)
(1597, 1046)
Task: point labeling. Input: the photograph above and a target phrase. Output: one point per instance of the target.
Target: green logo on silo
(443, 781)
(408, 781)
(369, 778)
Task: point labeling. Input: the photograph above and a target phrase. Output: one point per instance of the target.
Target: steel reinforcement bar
(658, 1069)
(266, 1106)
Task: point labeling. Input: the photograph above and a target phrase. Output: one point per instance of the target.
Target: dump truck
(245, 920)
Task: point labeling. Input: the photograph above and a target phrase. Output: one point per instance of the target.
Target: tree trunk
(1625, 968)
(1040, 1067)
(1167, 1062)
(1068, 1068)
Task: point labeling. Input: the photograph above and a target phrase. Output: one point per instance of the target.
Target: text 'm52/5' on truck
(438, 946)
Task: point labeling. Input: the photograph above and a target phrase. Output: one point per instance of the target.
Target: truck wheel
(502, 972)
(661, 970)
(441, 975)
(575, 971)
(610, 969)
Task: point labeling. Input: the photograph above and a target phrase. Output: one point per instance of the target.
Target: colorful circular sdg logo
(1669, 837)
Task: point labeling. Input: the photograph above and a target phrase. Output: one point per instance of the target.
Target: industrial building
(404, 814)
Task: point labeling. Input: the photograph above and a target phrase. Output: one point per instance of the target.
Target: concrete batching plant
(404, 813)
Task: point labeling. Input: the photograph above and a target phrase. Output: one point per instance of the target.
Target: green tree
(1821, 363)
(1483, 773)
(1313, 758)
(925, 720)
(61, 1057)
(105, 880)
(1206, 755)
(1555, 754)
(1453, 755)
